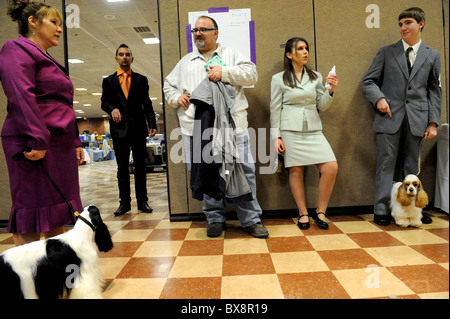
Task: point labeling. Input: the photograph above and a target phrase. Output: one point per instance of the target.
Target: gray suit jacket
(417, 94)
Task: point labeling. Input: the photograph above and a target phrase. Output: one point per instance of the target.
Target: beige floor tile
(371, 283)
(116, 225)
(332, 242)
(131, 235)
(251, 287)
(444, 265)
(295, 262)
(159, 249)
(111, 267)
(284, 230)
(397, 256)
(197, 266)
(245, 246)
(416, 237)
(167, 224)
(368, 217)
(5, 236)
(135, 288)
(357, 227)
(435, 295)
(151, 216)
(6, 247)
(437, 223)
(200, 234)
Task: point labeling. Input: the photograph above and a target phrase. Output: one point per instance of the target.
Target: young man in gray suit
(403, 84)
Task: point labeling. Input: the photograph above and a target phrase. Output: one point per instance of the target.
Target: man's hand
(116, 116)
(215, 74)
(383, 106)
(183, 101)
(431, 131)
(152, 132)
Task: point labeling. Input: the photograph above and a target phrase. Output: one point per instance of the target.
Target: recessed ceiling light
(151, 40)
(96, 94)
(81, 89)
(75, 61)
(87, 104)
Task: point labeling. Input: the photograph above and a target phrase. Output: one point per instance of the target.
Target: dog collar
(77, 214)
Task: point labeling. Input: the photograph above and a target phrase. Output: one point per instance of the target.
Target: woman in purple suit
(41, 117)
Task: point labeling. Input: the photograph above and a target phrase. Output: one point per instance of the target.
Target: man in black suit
(126, 99)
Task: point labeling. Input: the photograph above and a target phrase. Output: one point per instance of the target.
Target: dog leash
(420, 156)
(20, 155)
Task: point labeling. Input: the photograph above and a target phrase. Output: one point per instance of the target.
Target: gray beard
(200, 45)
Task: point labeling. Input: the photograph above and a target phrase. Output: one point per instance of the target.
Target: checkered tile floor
(355, 258)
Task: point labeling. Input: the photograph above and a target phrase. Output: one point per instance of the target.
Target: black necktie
(407, 58)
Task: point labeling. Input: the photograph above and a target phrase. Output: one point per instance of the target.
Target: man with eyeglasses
(234, 69)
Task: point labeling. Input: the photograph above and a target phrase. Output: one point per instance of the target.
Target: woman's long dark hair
(289, 76)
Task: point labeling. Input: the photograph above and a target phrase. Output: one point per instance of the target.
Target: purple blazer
(41, 116)
(39, 93)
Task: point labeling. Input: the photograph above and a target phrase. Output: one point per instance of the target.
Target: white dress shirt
(190, 71)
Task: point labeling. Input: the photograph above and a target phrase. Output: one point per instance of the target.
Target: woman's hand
(80, 155)
(333, 80)
(278, 145)
(35, 155)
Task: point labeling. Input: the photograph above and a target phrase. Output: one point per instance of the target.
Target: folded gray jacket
(214, 129)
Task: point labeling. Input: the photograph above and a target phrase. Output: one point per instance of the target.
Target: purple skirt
(36, 205)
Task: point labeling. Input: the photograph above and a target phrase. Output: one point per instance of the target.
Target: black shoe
(321, 223)
(257, 230)
(382, 220)
(303, 226)
(123, 208)
(215, 229)
(426, 219)
(145, 208)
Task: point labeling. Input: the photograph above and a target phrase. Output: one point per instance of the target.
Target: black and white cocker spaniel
(407, 200)
(64, 266)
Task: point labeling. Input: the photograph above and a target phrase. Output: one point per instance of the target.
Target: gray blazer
(417, 94)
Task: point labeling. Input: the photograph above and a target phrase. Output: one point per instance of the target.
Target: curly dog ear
(422, 197)
(402, 197)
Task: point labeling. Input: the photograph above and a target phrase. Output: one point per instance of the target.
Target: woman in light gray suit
(297, 94)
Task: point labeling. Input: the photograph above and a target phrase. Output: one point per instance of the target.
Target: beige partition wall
(345, 33)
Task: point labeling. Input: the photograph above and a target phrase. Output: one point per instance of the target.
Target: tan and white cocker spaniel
(407, 200)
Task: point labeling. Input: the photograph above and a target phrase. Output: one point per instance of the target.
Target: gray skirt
(303, 149)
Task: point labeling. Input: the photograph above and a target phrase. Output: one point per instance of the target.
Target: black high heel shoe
(321, 223)
(303, 226)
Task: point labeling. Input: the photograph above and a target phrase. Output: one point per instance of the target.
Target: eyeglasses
(201, 30)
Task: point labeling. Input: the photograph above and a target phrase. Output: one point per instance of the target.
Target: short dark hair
(123, 46)
(415, 13)
(215, 26)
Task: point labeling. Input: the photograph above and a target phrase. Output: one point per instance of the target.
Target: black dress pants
(122, 147)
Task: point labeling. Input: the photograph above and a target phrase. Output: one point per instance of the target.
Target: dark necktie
(408, 51)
